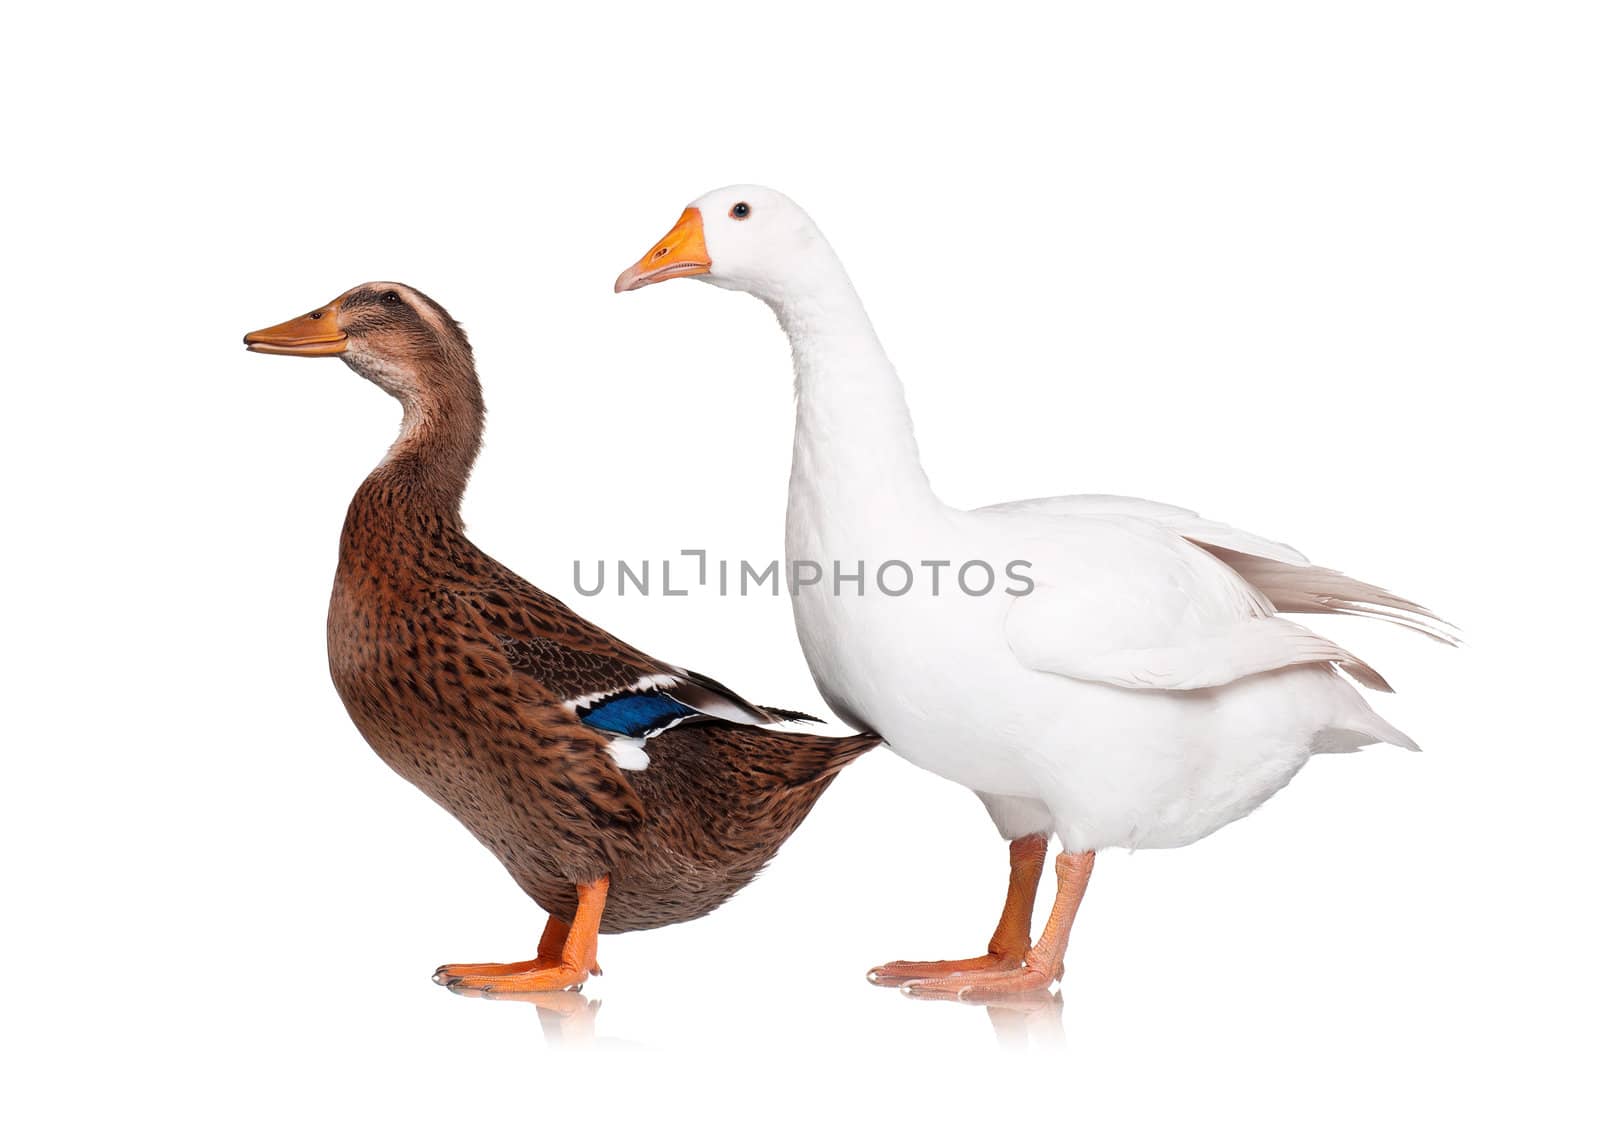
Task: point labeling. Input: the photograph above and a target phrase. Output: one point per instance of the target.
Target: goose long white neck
(855, 454)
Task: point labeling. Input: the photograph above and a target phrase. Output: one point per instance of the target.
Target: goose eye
(740, 210)
(391, 299)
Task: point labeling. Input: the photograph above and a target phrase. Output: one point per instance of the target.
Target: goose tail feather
(1316, 589)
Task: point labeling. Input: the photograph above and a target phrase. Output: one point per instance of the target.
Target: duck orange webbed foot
(451, 975)
(565, 960)
(448, 974)
(560, 978)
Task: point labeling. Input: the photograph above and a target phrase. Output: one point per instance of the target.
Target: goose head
(389, 333)
(743, 238)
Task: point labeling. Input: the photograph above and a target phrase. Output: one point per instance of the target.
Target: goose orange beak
(681, 252)
(309, 336)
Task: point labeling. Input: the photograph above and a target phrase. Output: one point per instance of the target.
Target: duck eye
(740, 210)
(391, 298)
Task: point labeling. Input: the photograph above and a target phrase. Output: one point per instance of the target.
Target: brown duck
(619, 791)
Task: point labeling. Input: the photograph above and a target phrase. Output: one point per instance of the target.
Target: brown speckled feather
(462, 677)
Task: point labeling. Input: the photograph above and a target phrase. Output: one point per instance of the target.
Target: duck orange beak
(681, 252)
(309, 336)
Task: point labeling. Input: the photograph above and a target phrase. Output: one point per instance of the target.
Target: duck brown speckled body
(620, 792)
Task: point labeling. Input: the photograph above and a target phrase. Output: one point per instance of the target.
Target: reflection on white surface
(1028, 1022)
(568, 1019)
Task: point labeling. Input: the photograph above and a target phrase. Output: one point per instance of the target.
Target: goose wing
(1281, 573)
(1184, 523)
(1126, 601)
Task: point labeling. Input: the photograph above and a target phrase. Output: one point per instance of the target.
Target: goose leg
(1010, 942)
(1042, 965)
(566, 954)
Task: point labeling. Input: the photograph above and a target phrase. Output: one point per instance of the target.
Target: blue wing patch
(636, 714)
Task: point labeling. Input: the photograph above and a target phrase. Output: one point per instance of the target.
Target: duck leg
(566, 954)
(1042, 965)
(1010, 942)
(555, 935)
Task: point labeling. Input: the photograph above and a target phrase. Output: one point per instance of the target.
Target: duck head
(389, 333)
(743, 238)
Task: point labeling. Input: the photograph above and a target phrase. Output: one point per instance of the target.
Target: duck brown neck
(426, 469)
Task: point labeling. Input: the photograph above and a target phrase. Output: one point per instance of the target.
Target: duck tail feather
(847, 749)
(793, 715)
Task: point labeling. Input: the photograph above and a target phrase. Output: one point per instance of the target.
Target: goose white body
(939, 678)
(1143, 695)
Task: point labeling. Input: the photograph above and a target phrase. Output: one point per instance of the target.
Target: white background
(1324, 272)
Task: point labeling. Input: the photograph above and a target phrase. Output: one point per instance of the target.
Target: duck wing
(613, 688)
(590, 681)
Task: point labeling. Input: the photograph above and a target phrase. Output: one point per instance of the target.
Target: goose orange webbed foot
(901, 973)
(1010, 943)
(1042, 965)
(982, 986)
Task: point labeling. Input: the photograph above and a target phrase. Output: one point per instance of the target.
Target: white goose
(1143, 694)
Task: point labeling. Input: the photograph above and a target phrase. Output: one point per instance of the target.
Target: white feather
(1145, 693)
(648, 684)
(629, 753)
